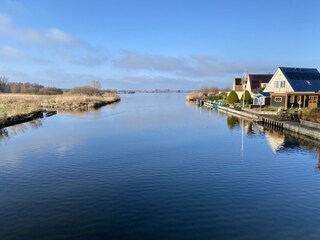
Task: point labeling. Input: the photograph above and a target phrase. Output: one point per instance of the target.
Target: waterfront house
(294, 88)
(238, 86)
(253, 83)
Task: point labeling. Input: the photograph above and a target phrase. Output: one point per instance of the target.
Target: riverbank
(17, 108)
(303, 127)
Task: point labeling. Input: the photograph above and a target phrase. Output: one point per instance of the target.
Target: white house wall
(278, 76)
(248, 86)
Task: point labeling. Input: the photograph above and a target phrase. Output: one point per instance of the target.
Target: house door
(313, 102)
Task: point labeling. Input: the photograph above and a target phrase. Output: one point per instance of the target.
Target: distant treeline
(30, 88)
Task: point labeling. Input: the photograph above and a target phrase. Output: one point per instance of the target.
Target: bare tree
(3, 83)
(96, 84)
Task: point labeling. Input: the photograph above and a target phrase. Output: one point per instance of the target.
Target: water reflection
(4, 134)
(279, 142)
(155, 156)
(7, 133)
(96, 113)
(232, 121)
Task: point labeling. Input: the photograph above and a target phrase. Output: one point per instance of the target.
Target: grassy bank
(14, 104)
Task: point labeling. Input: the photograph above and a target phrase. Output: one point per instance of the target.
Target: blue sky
(142, 44)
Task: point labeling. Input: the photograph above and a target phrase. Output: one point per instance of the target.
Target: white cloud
(87, 60)
(187, 66)
(138, 60)
(5, 21)
(40, 38)
(8, 53)
(52, 43)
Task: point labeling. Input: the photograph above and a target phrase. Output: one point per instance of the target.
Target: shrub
(220, 96)
(193, 96)
(85, 90)
(313, 115)
(247, 97)
(50, 91)
(233, 97)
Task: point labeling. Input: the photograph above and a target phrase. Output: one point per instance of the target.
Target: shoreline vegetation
(212, 93)
(18, 108)
(23, 102)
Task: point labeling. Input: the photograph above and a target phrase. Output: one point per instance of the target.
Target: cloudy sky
(149, 44)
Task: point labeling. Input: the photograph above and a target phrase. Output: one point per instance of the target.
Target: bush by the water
(85, 90)
(193, 96)
(233, 97)
(313, 115)
(50, 91)
(220, 96)
(247, 97)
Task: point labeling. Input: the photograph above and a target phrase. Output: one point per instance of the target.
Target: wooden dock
(271, 123)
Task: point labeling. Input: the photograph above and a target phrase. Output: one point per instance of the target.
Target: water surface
(154, 167)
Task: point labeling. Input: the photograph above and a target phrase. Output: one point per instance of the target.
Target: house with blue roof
(294, 88)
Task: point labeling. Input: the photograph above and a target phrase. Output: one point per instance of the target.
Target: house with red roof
(254, 83)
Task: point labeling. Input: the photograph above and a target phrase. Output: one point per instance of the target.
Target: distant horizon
(153, 45)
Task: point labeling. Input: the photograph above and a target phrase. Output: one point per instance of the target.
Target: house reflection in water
(279, 142)
(275, 139)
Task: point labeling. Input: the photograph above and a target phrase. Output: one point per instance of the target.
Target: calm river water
(154, 167)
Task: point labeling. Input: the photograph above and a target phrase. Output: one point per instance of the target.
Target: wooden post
(286, 102)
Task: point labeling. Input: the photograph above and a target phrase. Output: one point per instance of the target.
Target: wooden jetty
(271, 123)
(199, 102)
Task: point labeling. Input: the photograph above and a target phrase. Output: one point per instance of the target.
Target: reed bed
(194, 95)
(13, 104)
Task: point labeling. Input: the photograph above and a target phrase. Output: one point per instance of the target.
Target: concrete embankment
(239, 113)
(303, 127)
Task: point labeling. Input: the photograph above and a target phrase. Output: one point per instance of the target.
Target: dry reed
(13, 104)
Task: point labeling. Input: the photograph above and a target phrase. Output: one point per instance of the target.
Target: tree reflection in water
(36, 123)
(7, 133)
(4, 135)
(232, 121)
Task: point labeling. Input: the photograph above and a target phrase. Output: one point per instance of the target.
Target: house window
(313, 99)
(292, 99)
(282, 84)
(276, 84)
(278, 99)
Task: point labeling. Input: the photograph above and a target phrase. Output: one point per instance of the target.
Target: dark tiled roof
(266, 94)
(302, 79)
(257, 79)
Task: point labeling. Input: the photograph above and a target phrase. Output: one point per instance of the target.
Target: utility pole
(244, 82)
